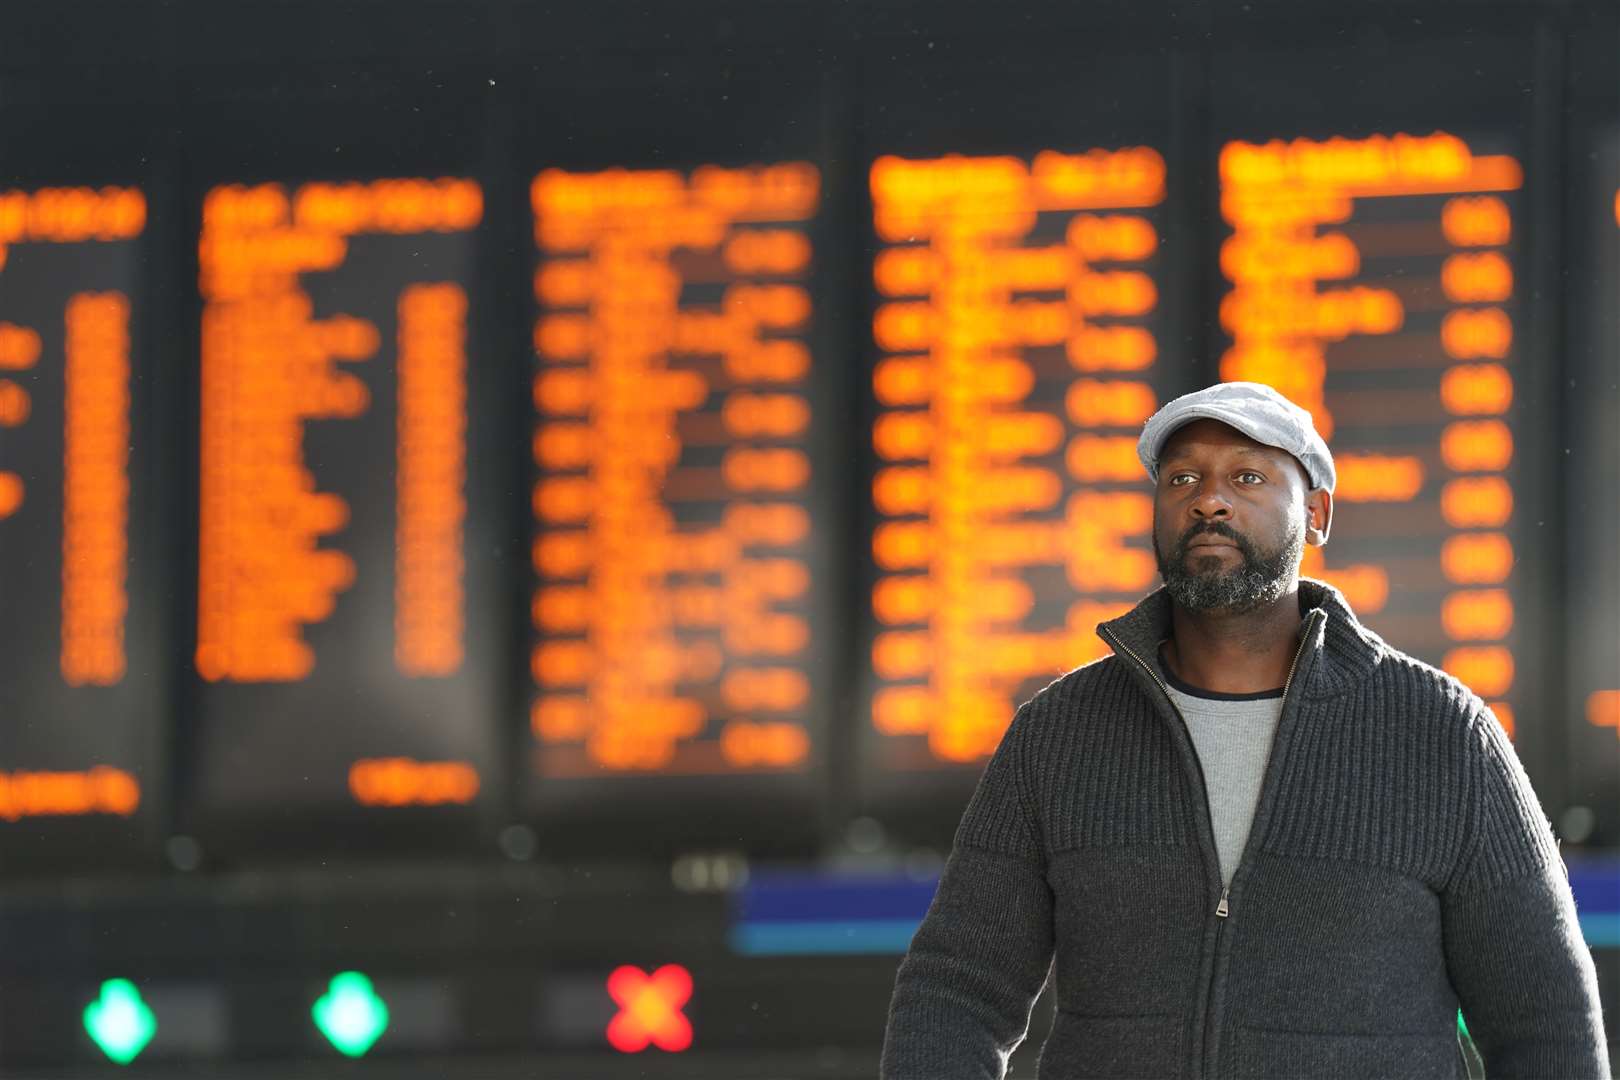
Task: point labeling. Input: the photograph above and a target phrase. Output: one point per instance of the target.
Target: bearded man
(1257, 840)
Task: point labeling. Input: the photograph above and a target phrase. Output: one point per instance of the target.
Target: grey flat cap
(1252, 408)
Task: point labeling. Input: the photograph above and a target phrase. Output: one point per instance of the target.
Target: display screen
(334, 580)
(1018, 334)
(1374, 281)
(1593, 458)
(522, 525)
(674, 612)
(770, 483)
(80, 677)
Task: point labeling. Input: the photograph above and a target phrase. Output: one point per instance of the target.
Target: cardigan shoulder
(1076, 705)
(1404, 680)
(1076, 689)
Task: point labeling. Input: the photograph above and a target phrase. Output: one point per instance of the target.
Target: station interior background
(534, 515)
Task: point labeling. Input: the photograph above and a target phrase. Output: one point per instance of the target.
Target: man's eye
(1251, 477)
(1176, 480)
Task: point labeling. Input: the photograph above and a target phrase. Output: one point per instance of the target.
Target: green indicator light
(120, 1022)
(350, 1014)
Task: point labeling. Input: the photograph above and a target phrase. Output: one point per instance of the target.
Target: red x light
(650, 1009)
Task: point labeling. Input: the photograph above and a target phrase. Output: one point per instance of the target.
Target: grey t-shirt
(1232, 734)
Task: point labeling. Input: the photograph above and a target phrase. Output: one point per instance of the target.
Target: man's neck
(1245, 653)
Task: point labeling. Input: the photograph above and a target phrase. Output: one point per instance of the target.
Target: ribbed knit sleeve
(1514, 952)
(963, 994)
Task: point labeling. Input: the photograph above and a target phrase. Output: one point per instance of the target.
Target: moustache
(1214, 528)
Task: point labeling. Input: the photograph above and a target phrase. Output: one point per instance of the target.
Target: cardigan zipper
(1211, 1038)
(1223, 908)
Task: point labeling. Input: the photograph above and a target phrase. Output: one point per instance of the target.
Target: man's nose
(1211, 504)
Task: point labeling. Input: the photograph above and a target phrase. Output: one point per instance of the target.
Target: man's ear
(1318, 516)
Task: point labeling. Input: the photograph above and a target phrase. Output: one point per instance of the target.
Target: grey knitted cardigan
(1399, 867)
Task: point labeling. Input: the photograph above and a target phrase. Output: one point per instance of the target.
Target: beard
(1261, 578)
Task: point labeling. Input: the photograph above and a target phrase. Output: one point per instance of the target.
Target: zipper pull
(1221, 909)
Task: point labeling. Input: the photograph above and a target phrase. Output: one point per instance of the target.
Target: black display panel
(82, 674)
(1373, 267)
(1023, 306)
(347, 684)
(1373, 282)
(1591, 811)
(684, 505)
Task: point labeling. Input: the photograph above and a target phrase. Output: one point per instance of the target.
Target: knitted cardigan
(1399, 868)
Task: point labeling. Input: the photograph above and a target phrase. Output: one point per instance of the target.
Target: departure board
(338, 680)
(1593, 520)
(80, 676)
(1373, 280)
(674, 614)
(1018, 340)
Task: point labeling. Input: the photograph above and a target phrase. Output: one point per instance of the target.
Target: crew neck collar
(1207, 695)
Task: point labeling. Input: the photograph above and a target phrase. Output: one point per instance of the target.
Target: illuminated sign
(1603, 709)
(1019, 357)
(404, 782)
(119, 1022)
(672, 518)
(271, 366)
(335, 492)
(1373, 283)
(95, 420)
(99, 790)
(82, 733)
(350, 1014)
(650, 1009)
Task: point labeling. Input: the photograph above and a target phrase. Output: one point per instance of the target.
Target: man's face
(1229, 519)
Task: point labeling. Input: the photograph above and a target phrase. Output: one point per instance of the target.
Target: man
(1259, 841)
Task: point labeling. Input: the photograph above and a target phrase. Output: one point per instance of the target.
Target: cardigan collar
(1341, 652)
